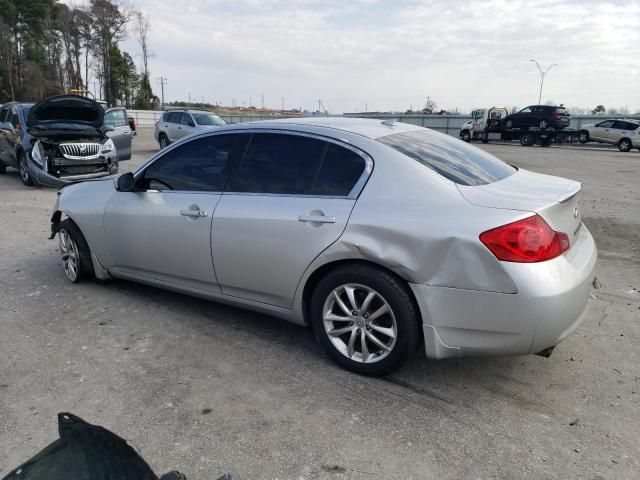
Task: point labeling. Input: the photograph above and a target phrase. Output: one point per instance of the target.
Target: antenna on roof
(390, 122)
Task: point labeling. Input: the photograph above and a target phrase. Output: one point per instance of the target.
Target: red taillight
(526, 241)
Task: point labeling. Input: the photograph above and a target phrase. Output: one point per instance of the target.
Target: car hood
(66, 116)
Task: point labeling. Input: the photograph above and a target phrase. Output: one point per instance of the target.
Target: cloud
(392, 54)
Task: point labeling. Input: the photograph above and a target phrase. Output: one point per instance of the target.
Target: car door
(162, 231)
(619, 129)
(288, 199)
(4, 139)
(121, 134)
(602, 131)
(185, 126)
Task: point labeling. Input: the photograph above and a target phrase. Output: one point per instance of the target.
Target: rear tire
(76, 256)
(163, 140)
(527, 140)
(25, 176)
(374, 311)
(583, 136)
(624, 145)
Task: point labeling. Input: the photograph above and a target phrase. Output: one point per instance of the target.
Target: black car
(540, 116)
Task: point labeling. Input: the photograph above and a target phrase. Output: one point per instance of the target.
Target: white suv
(624, 132)
(175, 124)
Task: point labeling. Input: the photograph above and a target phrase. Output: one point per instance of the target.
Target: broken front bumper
(72, 171)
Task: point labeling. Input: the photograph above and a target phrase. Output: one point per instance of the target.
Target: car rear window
(454, 159)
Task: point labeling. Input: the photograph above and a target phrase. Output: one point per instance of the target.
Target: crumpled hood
(66, 116)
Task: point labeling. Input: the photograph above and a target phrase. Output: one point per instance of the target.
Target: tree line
(48, 48)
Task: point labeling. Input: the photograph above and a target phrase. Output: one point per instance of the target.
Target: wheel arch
(314, 278)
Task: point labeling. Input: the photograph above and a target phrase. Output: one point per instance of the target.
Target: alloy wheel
(70, 256)
(360, 323)
(624, 145)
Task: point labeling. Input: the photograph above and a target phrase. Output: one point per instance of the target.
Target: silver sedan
(379, 235)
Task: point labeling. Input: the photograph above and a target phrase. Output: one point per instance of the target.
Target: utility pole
(163, 82)
(282, 104)
(249, 102)
(263, 101)
(542, 75)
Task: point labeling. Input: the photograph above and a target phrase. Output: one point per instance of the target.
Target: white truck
(483, 120)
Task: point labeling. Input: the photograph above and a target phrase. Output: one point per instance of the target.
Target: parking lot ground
(206, 388)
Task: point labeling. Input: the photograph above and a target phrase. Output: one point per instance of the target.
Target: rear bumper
(550, 303)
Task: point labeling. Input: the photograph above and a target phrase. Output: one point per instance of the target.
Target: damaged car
(381, 236)
(70, 142)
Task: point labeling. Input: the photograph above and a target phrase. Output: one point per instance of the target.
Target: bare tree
(142, 34)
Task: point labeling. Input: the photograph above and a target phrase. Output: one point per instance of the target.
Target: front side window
(279, 164)
(116, 118)
(14, 118)
(454, 159)
(199, 165)
(605, 124)
(185, 119)
(526, 110)
(208, 119)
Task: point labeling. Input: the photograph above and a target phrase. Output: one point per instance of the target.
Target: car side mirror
(107, 128)
(191, 124)
(126, 182)
(7, 126)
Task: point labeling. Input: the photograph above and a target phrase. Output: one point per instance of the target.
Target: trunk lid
(66, 117)
(555, 199)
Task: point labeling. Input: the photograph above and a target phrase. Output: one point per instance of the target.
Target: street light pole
(542, 75)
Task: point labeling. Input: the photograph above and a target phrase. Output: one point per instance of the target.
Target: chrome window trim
(353, 194)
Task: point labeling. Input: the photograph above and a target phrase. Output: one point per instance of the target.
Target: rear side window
(279, 163)
(341, 169)
(3, 114)
(199, 166)
(452, 158)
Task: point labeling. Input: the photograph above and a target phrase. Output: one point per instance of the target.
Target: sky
(390, 55)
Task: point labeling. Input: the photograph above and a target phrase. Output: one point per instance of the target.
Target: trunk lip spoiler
(571, 192)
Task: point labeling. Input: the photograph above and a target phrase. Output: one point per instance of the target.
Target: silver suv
(623, 132)
(175, 124)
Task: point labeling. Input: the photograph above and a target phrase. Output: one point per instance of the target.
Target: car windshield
(452, 158)
(208, 119)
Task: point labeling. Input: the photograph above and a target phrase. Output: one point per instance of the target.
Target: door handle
(316, 219)
(194, 213)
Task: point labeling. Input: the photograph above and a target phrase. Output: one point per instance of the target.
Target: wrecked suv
(70, 142)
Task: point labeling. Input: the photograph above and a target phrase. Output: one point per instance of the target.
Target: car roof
(366, 127)
(17, 104)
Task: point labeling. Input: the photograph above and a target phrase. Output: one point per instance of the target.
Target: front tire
(25, 176)
(624, 145)
(76, 256)
(365, 319)
(465, 136)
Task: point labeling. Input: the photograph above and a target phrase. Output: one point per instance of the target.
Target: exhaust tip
(546, 353)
